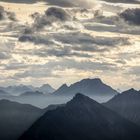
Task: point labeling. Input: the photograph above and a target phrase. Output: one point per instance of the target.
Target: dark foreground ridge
(127, 104)
(82, 119)
(15, 118)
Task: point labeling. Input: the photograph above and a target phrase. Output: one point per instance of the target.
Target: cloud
(71, 44)
(123, 1)
(60, 52)
(35, 73)
(74, 38)
(132, 16)
(50, 16)
(36, 39)
(73, 3)
(4, 55)
(58, 13)
(115, 24)
(21, 1)
(62, 3)
(52, 68)
(87, 65)
(134, 70)
(6, 15)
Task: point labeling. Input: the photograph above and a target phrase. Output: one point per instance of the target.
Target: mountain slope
(82, 119)
(46, 88)
(17, 90)
(127, 104)
(87, 87)
(3, 93)
(31, 94)
(15, 118)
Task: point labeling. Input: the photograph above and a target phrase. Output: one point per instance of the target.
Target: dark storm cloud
(132, 16)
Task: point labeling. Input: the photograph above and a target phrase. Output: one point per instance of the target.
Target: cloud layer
(68, 41)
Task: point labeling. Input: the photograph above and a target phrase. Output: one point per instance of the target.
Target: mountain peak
(97, 80)
(130, 91)
(87, 87)
(64, 86)
(80, 100)
(46, 88)
(45, 85)
(80, 97)
(78, 119)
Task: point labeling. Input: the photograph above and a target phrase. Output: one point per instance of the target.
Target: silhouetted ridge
(31, 93)
(126, 104)
(88, 87)
(80, 99)
(82, 119)
(15, 118)
(130, 91)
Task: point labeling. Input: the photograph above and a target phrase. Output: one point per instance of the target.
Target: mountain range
(91, 87)
(19, 89)
(84, 119)
(119, 116)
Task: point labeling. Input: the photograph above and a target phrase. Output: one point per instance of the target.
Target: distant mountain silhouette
(18, 89)
(31, 93)
(16, 118)
(82, 119)
(46, 89)
(87, 87)
(4, 95)
(127, 104)
(2, 92)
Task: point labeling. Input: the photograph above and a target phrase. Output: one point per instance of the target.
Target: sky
(64, 41)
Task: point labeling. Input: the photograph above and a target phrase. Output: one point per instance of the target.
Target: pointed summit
(87, 87)
(46, 88)
(130, 91)
(63, 89)
(80, 98)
